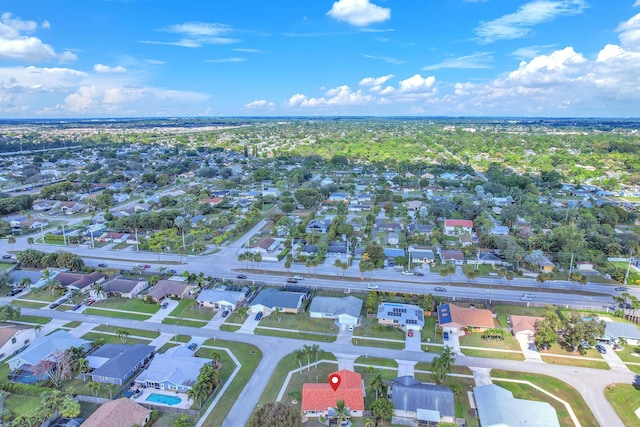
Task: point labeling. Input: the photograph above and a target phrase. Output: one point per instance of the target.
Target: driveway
(529, 349)
(613, 360)
(344, 335)
(164, 312)
(249, 325)
(413, 343)
(453, 341)
(216, 321)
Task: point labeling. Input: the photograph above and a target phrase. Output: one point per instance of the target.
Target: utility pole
(626, 276)
(571, 266)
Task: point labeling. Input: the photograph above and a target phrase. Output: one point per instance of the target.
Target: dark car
(621, 289)
(241, 276)
(225, 313)
(75, 307)
(445, 336)
(418, 273)
(165, 305)
(601, 349)
(6, 256)
(192, 346)
(440, 289)
(259, 315)
(291, 280)
(14, 292)
(172, 272)
(54, 305)
(102, 265)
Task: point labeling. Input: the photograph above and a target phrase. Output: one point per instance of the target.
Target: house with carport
(79, 281)
(170, 288)
(346, 310)
(619, 332)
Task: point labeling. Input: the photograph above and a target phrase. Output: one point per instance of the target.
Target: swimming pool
(164, 399)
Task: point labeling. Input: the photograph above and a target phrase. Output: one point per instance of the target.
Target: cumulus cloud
(474, 61)
(18, 46)
(359, 12)
(105, 69)
(340, 96)
(630, 33)
(260, 103)
(375, 81)
(418, 84)
(519, 24)
(196, 34)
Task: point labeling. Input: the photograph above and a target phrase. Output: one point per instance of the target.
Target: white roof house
(45, 347)
(498, 408)
(346, 310)
(177, 369)
(221, 299)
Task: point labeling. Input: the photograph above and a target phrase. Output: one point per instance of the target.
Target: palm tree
(82, 365)
(99, 290)
(30, 241)
(25, 282)
(181, 222)
(277, 312)
(341, 411)
(94, 387)
(243, 311)
(368, 422)
(215, 356)
(299, 354)
(123, 334)
(314, 349)
(377, 383)
(37, 328)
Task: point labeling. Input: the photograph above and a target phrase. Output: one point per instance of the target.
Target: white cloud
(418, 84)
(260, 103)
(385, 59)
(196, 34)
(104, 69)
(518, 24)
(340, 96)
(222, 60)
(630, 32)
(359, 12)
(528, 52)
(637, 3)
(375, 81)
(247, 50)
(474, 61)
(153, 61)
(15, 45)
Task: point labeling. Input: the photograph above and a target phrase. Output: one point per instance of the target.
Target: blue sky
(119, 58)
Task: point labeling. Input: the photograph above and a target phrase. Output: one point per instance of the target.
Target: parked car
(259, 315)
(146, 266)
(225, 313)
(14, 291)
(241, 276)
(291, 280)
(54, 305)
(372, 286)
(165, 305)
(91, 302)
(445, 336)
(172, 272)
(75, 307)
(410, 333)
(440, 289)
(585, 344)
(601, 349)
(102, 265)
(6, 256)
(298, 277)
(621, 289)
(418, 273)
(192, 346)
(407, 273)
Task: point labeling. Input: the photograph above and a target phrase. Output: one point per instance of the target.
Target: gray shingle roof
(622, 330)
(117, 360)
(176, 369)
(410, 394)
(43, 347)
(273, 298)
(497, 407)
(347, 305)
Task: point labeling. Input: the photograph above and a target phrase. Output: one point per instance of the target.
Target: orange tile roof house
(320, 399)
(119, 413)
(524, 326)
(451, 316)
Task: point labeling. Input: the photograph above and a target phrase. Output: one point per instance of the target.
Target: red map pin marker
(334, 381)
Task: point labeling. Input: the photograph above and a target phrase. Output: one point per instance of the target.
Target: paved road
(590, 383)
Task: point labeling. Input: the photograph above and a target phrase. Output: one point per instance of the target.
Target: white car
(372, 286)
(526, 298)
(298, 277)
(407, 273)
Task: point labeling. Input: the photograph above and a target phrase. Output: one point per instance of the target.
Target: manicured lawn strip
(375, 343)
(166, 347)
(371, 328)
(627, 355)
(558, 349)
(235, 317)
(596, 364)
(634, 368)
(556, 387)
(133, 332)
(184, 310)
(503, 311)
(377, 361)
(625, 399)
(5, 265)
(493, 354)
(34, 319)
(249, 362)
(525, 391)
(476, 340)
(429, 332)
(121, 314)
(42, 295)
(126, 304)
(300, 322)
(424, 366)
(73, 324)
(183, 322)
(112, 339)
(229, 328)
(18, 404)
(29, 304)
(297, 335)
(181, 338)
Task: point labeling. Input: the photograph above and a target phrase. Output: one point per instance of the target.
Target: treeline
(11, 205)
(33, 258)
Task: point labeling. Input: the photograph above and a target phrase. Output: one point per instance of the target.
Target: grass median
(625, 399)
(120, 314)
(295, 335)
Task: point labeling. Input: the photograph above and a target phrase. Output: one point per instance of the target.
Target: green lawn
(629, 354)
(122, 314)
(475, 340)
(113, 339)
(596, 364)
(17, 404)
(506, 355)
(5, 265)
(229, 328)
(29, 304)
(371, 328)
(525, 391)
(34, 319)
(167, 346)
(377, 361)
(188, 308)
(72, 325)
(296, 335)
(235, 317)
(300, 322)
(126, 304)
(42, 295)
(625, 399)
(362, 341)
(430, 333)
(182, 338)
(563, 351)
(133, 332)
(249, 357)
(183, 322)
(558, 388)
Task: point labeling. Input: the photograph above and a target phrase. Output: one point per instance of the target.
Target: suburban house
(170, 288)
(464, 320)
(266, 245)
(14, 337)
(269, 299)
(452, 256)
(320, 398)
(122, 412)
(392, 253)
(457, 227)
(124, 288)
(176, 369)
(401, 315)
(222, 298)
(115, 363)
(524, 326)
(79, 281)
(489, 258)
(317, 226)
(393, 238)
(426, 403)
(499, 230)
(585, 266)
(46, 347)
(616, 331)
(345, 310)
(498, 408)
(422, 256)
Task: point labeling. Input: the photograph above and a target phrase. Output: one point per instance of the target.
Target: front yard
(188, 309)
(625, 399)
(126, 304)
(371, 328)
(299, 322)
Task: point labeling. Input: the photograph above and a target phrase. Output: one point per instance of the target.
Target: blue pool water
(163, 398)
